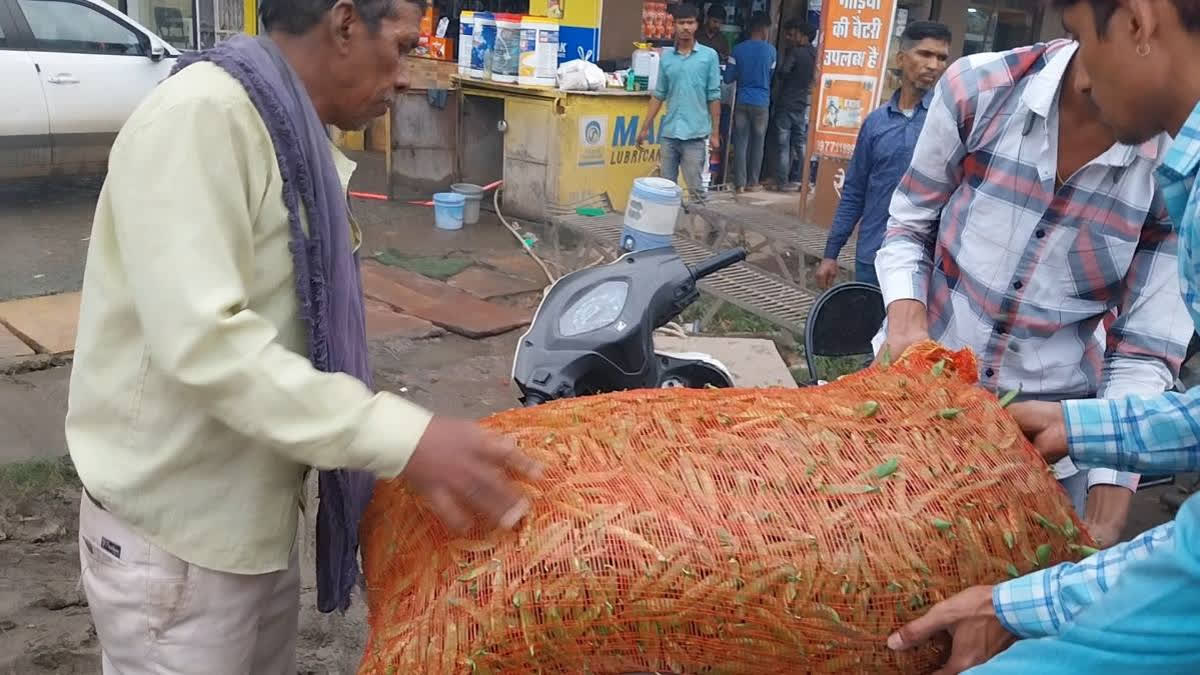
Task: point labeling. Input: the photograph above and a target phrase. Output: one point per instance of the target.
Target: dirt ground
(45, 626)
(44, 622)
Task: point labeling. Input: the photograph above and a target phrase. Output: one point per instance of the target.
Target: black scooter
(594, 330)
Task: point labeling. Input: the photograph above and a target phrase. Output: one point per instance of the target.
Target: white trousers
(155, 613)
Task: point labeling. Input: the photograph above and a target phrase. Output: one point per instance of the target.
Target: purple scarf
(328, 284)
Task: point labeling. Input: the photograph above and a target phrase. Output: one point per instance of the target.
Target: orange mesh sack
(724, 531)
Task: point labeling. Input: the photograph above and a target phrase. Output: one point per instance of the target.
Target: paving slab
(32, 409)
(49, 322)
(11, 346)
(752, 362)
(487, 284)
(385, 322)
(443, 305)
(516, 263)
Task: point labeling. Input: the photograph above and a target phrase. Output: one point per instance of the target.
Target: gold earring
(1143, 50)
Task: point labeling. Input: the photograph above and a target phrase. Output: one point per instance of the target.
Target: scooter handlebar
(718, 262)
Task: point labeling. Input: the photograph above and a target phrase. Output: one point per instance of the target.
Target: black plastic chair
(841, 324)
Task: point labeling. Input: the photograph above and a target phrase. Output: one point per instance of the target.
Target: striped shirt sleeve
(904, 261)
(1042, 603)
(1148, 434)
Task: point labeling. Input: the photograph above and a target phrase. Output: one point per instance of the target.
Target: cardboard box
(430, 73)
(442, 49)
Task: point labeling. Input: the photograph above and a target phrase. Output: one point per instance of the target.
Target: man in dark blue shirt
(884, 150)
(751, 66)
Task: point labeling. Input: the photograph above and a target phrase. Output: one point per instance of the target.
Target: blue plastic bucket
(448, 210)
(650, 215)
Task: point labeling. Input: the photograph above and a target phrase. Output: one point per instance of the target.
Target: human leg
(741, 134)
(783, 141)
(669, 155)
(155, 613)
(693, 155)
(757, 138)
(799, 136)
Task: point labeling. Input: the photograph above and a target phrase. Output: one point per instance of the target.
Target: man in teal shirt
(1133, 608)
(689, 82)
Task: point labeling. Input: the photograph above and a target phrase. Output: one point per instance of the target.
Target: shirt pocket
(1097, 256)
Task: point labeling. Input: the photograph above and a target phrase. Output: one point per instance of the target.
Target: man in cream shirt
(195, 411)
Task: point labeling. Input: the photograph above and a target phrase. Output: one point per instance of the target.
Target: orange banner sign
(853, 62)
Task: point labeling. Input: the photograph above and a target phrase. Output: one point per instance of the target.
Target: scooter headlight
(595, 309)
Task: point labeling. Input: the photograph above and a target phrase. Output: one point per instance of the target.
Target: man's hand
(1042, 422)
(714, 139)
(970, 619)
(643, 136)
(461, 469)
(907, 324)
(1106, 512)
(827, 272)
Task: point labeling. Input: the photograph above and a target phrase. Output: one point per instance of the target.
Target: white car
(71, 73)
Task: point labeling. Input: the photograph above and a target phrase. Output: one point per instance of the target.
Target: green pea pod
(887, 468)
(868, 409)
(938, 368)
(949, 413)
(1043, 554)
(1008, 398)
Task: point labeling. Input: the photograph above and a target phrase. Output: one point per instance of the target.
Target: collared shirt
(882, 154)
(687, 84)
(751, 65)
(1025, 272)
(794, 78)
(715, 41)
(1158, 434)
(193, 410)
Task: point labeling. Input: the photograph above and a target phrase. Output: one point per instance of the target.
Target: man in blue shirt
(884, 150)
(1135, 607)
(751, 66)
(689, 81)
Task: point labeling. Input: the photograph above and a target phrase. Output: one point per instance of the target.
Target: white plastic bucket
(474, 196)
(651, 213)
(506, 57)
(466, 37)
(539, 52)
(448, 210)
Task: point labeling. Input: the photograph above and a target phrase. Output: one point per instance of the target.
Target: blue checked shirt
(1158, 434)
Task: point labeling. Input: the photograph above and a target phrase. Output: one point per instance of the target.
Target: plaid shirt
(1159, 434)
(1063, 292)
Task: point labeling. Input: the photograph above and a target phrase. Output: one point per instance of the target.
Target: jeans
(865, 272)
(791, 136)
(749, 136)
(688, 156)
